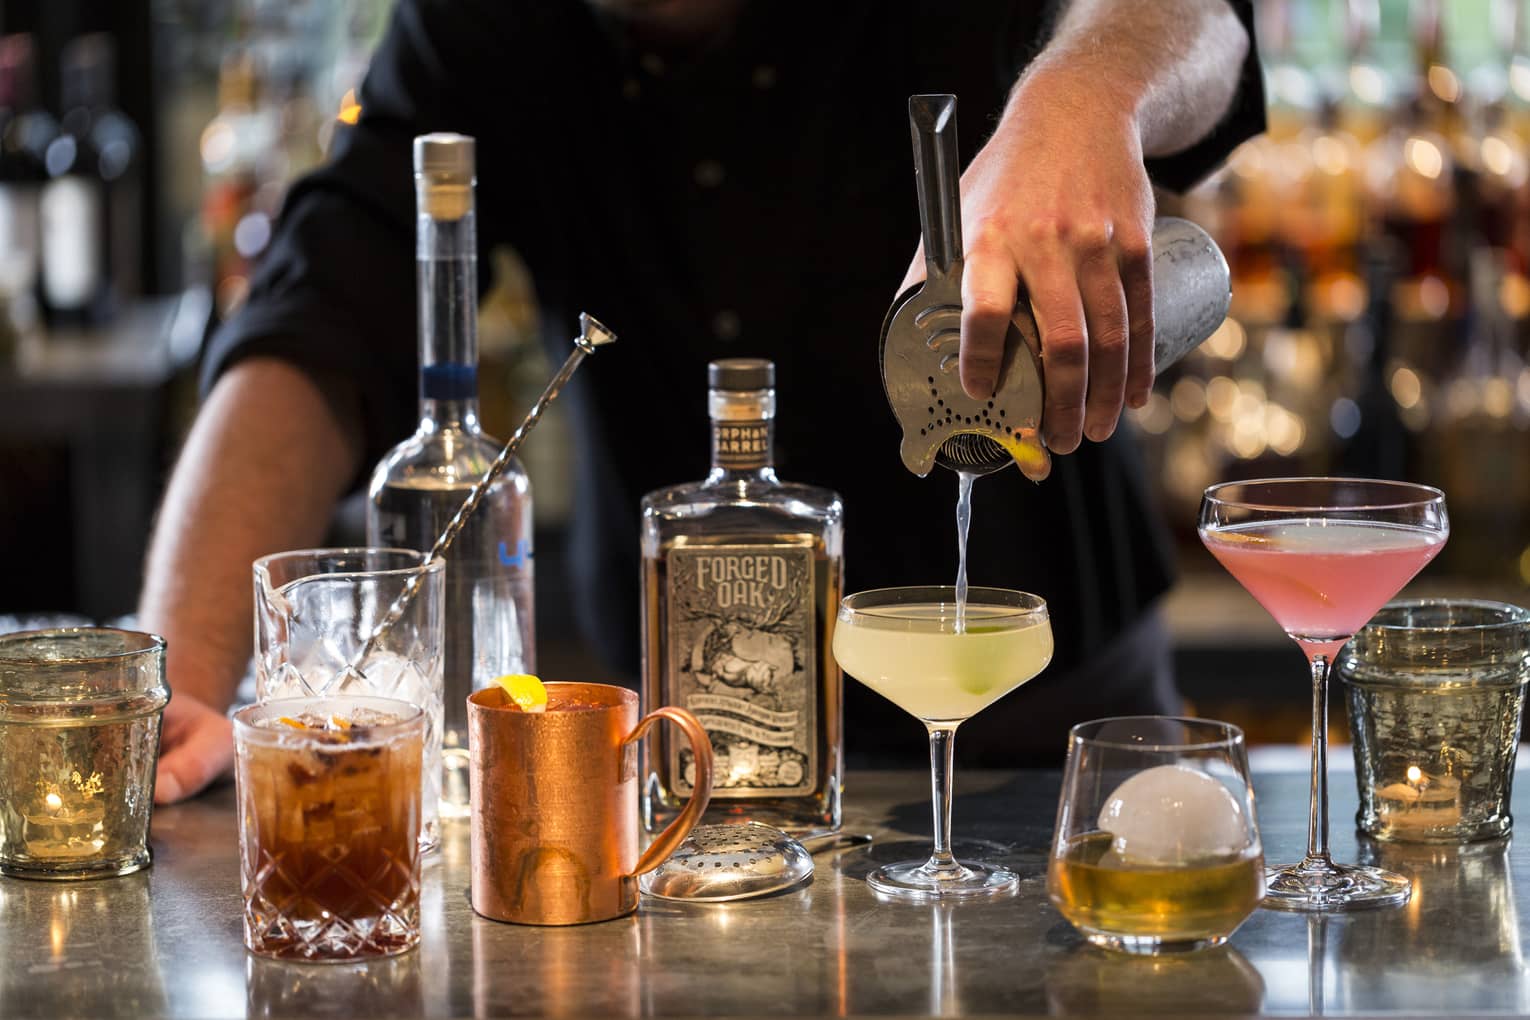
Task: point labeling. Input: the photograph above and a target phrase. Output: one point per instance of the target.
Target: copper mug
(555, 803)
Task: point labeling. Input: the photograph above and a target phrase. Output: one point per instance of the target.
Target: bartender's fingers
(989, 286)
(1054, 292)
(1099, 282)
(198, 747)
(1135, 257)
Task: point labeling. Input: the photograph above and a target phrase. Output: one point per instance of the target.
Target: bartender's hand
(267, 457)
(196, 747)
(1059, 200)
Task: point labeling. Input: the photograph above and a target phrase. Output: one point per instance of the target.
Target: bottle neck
(743, 435)
(446, 263)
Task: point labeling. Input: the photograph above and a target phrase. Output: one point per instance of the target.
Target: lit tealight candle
(1422, 802)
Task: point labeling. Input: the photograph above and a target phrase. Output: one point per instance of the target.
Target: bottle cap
(444, 174)
(741, 374)
(444, 158)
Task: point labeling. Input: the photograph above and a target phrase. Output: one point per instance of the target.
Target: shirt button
(764, 77)
(709, 173)
(726, 325)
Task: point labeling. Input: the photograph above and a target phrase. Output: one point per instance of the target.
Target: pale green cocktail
(912, 646)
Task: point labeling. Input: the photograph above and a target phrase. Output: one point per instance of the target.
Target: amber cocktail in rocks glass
(329, 826)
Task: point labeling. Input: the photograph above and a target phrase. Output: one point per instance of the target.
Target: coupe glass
(1322, 555)
(911, 646)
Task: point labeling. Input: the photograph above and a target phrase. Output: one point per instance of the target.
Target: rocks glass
(1156, 848)
(315, 611)
(79, 734)
(329, 826)
(1436, 691)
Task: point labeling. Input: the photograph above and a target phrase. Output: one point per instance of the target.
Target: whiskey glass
(1156, 848)
(328, 791)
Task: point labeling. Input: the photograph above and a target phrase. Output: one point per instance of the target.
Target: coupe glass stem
(1317, 814)
(942, 744)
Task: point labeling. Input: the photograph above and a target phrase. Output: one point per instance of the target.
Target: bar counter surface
(167, 942)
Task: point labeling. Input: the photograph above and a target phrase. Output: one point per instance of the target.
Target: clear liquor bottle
(742, 576)
(422, 482)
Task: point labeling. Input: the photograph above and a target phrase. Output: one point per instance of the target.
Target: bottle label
(740, 445)
(741, 658)
(71, 249)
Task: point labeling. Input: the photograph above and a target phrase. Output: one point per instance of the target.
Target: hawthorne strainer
(724, 862)
(922, 331)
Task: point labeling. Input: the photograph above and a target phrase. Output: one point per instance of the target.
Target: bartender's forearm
(1172, 66)
(260, 472)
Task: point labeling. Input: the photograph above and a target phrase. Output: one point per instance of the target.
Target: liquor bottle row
(741, 570)
(1379, 240)
(70, 189)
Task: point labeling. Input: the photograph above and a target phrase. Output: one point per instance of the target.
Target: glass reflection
(1093, 982)
(62, 946)
(381, 987)
(1455, 947)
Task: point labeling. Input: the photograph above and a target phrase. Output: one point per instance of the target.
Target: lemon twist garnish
(526, 691)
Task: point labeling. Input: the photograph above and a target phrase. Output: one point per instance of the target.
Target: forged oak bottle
(742, 576)
(422, 482)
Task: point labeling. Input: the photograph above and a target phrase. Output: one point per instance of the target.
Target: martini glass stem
(942, 746)
(1317, 816)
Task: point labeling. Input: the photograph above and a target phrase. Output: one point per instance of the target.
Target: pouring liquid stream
(964, 481)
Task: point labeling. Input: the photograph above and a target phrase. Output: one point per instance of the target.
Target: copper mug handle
(668, 841)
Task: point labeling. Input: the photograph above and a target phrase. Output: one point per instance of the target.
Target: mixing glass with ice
(1156, 849)
(317, 613)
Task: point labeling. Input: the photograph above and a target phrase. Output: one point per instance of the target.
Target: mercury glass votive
(1436, 691)
(80, 715)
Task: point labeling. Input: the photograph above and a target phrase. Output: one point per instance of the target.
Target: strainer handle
(668, 841)
(937, 176)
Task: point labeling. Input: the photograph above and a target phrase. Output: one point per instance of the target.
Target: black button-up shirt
(754, 199)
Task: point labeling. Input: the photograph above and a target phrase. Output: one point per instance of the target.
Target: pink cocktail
(1323, 579)
(1322, 555)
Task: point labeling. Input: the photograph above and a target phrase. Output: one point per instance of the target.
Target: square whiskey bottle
(742, 576)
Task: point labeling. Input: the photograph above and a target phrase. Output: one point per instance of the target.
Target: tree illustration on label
(741, 620)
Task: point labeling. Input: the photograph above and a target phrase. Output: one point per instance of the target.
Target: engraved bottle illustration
(742, 576)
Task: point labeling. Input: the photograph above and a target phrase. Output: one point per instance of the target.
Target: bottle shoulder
(698, 497)
(447, 459)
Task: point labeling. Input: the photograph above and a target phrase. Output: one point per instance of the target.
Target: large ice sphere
(1172, 815)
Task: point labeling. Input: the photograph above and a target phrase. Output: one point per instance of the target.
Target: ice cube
(1171, 815)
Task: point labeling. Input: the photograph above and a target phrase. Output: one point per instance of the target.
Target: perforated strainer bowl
(717, 863)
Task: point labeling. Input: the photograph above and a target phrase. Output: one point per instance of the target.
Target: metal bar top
(166, 942)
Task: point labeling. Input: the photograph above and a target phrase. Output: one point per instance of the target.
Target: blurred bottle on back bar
(91, 205)
(25, 131)
(422, 482)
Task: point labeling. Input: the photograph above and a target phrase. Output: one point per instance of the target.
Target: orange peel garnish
(288, 721)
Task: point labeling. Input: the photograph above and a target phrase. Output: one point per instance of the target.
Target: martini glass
(911, 646)
(1322, 555)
